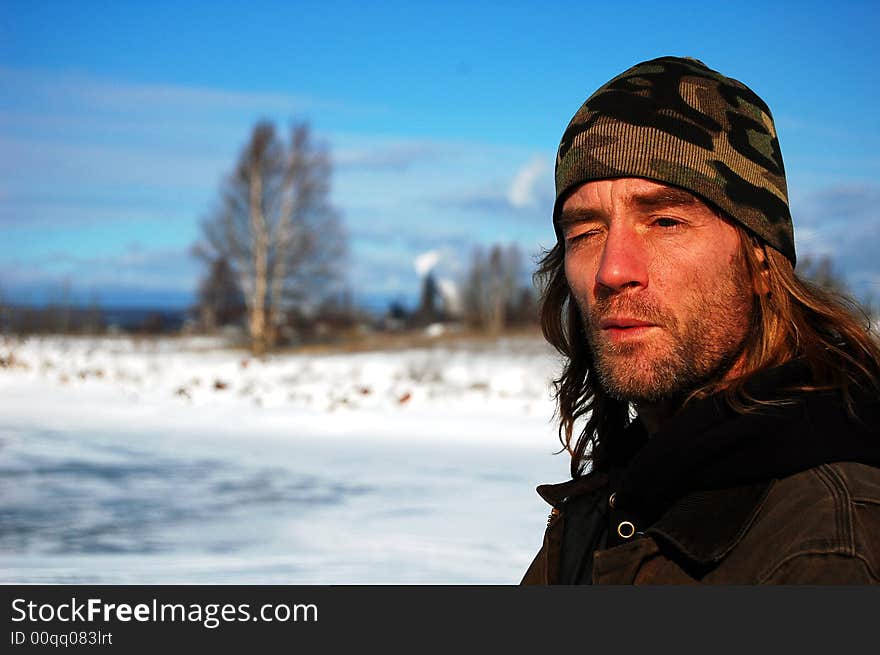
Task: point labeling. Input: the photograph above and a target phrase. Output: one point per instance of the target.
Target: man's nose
(623, 263)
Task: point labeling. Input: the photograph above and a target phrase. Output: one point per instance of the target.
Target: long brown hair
(792, 318)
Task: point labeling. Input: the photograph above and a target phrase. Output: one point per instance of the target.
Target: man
(722, 415)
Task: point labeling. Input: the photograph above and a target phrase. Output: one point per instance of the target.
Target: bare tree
(93, 317)
(277, 229)
(429, 309)
(820, 271)
(502, 277)
(475, 291)
(220, 299)
(5, 314)
(493, 296)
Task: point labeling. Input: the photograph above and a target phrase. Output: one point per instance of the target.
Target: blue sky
(118, 121)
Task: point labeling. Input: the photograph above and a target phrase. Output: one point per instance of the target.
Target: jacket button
(625, 529)
(611, 499)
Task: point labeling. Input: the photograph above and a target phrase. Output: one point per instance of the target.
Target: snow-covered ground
(178, 460)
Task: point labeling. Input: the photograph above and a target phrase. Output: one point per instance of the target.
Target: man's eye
(667, 222)
(581, 236)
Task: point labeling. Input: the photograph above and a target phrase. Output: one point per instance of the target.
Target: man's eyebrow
(660, 198)
(648, 200)
(577, 215)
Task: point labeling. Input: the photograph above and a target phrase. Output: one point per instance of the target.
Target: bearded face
(661, 284)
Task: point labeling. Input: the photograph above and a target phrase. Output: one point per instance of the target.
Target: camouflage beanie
(679, 122)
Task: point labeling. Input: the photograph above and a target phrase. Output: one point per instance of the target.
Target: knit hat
(679, 122)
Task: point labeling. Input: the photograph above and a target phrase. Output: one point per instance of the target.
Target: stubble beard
(681, 356)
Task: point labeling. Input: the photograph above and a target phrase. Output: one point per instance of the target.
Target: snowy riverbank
(197, 377)
(180, 460)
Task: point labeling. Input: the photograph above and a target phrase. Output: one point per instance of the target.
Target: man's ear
(762, 283)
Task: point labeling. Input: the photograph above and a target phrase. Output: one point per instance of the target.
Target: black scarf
(710, 446)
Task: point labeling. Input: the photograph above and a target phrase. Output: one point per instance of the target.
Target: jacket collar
(702, 527)
(706, 525)
(557, 494)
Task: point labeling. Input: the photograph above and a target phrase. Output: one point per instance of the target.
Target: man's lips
(623, 323)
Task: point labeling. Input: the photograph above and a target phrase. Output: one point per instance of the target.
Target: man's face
(661, 283)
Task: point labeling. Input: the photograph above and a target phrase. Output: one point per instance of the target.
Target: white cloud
(148, 269)
(840, 222)
(522, 191)
(393, 156)
(809, 240)
(160, 165)
(451, 295)
(78, 91)
(426, 261)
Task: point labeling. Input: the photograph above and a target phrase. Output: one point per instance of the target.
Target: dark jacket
(785, 495)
